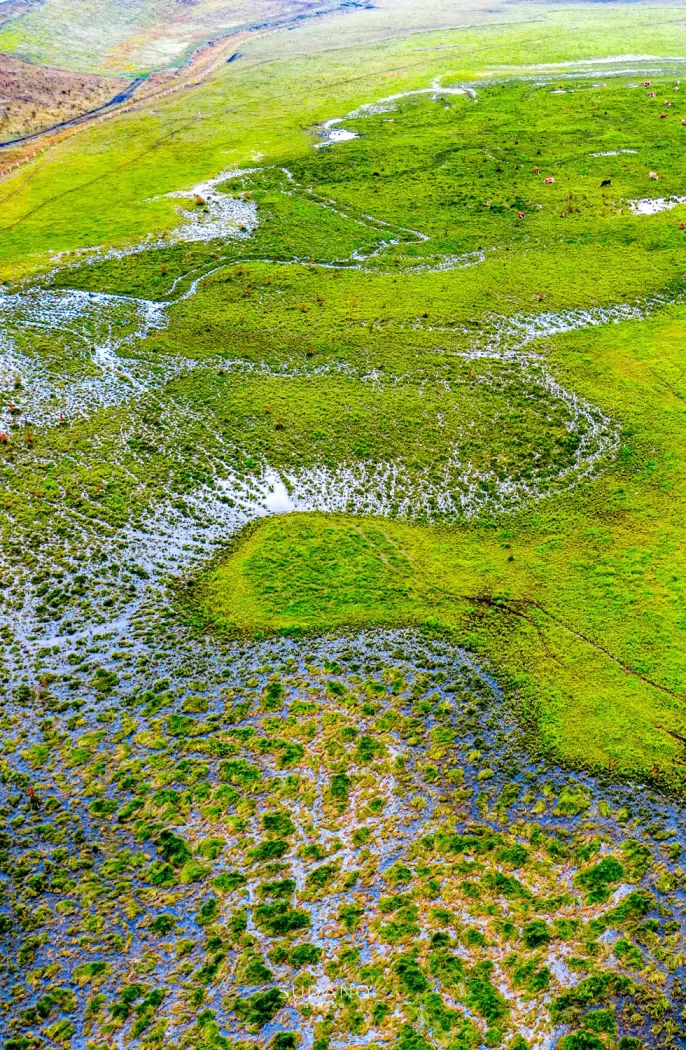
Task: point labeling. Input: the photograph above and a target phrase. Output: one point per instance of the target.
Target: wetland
(343, 558)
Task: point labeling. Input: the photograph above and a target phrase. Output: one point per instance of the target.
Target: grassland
(577, 597)
(131, 38)
(333, 330)
(586, 590)
(406, 764)
(175, 144)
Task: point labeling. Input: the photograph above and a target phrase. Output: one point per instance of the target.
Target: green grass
(109, 37)
(266, 105)
(578, 602)
(247, 726)
(576, 599)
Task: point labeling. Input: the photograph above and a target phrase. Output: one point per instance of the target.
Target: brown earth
(33, 98)
(44, 113)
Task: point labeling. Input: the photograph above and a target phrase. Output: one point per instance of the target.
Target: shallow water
(654, 205)
(174, 538)
(432, 751)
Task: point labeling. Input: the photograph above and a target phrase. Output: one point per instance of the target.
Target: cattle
(606, 182)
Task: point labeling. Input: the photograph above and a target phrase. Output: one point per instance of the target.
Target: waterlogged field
(343, 558)
(339, 842)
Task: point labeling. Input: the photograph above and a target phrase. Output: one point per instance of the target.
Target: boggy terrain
(404, 766)
(283, 347)
(337, 842)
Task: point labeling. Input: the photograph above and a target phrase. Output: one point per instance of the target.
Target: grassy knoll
(579, 602)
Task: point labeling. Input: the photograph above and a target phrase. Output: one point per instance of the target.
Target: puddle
(613, 152)
(653, 205)
(333, 134)
(277, 499)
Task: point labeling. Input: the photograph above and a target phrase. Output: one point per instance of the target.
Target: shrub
(536, 933)
(412, 979)
(259, 1009)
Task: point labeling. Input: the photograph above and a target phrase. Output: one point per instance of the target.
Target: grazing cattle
(520, 215)
(663, 116)
(652, 94)
(4, 440)
(682, 225)
(654, 175)
(606, 182)
(549, 180)
(537, 171)
(646, 83)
